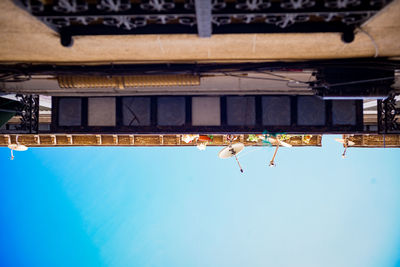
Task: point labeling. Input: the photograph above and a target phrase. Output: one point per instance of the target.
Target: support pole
(203, 17)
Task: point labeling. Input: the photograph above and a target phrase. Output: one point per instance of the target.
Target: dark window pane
(310, 111)
(343, 112)
(171, 111)
(276, 110)
(69, 112)
(241, 110)
(136, 111)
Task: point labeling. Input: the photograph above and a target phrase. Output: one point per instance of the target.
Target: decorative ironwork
(378, 2)
(286, 20)
(29, 113)
(389, 115)
(221, 20)
(342, 3)
(253, 5)
(281, 20)
(158, 5)
(297, 4)
(70, 6)
(218, 5)
(34, 6)
(188, 20)
(84, 17)
(125, 22)
(114, 5)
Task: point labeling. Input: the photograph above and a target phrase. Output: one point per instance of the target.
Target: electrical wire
(255, 78)
(360, 81)
(289, 79)
(16, 76)
(23, 72)
(276, 75)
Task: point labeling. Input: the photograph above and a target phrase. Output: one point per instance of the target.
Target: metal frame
(126, 140)
(173, 68)
(28, 112)
(388, 115)
(294, 128)
(80, 17)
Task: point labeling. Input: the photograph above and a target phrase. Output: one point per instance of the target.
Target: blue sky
(93, 206)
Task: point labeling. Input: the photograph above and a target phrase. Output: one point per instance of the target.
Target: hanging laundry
(188, 138)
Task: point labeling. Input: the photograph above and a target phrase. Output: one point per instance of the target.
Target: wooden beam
(60, 140)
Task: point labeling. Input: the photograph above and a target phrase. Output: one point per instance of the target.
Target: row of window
(204, 111)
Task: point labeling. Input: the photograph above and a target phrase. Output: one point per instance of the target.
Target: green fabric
(8, 109)
(5, 117)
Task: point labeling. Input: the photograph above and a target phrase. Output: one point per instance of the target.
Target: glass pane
(276, 110)
(171, 111)
(310, 111)
(206, 111)
(101, 111)
(344, 112)
(136, 111)
(70, 112)
(241, 110)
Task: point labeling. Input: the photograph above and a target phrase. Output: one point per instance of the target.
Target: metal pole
(203, 17)
(272, 163)
(241, 170)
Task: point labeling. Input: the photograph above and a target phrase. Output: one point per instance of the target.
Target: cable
(23, 72)
(16, 76)
(360, 81)
(276, 75)
(255, 78)
(282, 76)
